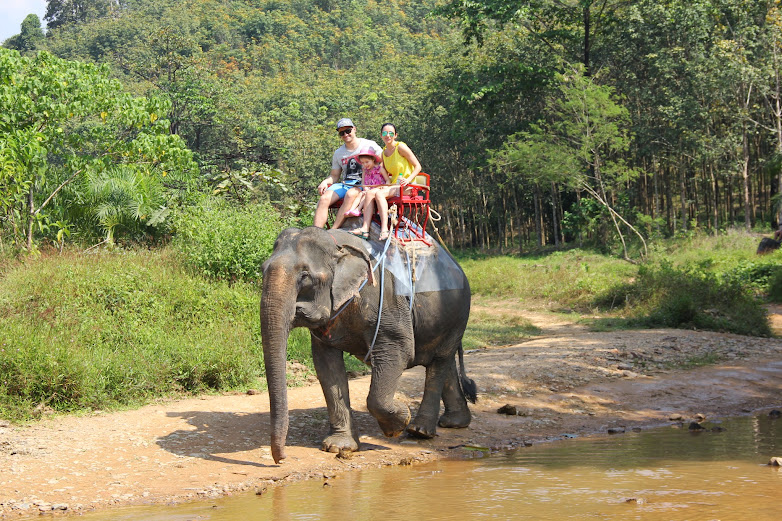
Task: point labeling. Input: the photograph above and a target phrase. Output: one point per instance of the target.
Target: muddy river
(669, 473)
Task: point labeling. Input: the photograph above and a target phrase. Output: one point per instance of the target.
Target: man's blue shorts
(341, 188)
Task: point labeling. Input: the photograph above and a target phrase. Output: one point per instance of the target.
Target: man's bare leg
(328, 198)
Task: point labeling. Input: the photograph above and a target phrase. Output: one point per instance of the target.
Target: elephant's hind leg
(425, 423)
(330, 368)
(457, 414)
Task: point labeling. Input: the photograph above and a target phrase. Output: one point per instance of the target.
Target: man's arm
(330, 180)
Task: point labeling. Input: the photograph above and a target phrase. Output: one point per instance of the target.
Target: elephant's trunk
(278, 304)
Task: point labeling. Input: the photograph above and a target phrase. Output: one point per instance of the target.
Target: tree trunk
(538, 227)
(554, 219)
(745, 178)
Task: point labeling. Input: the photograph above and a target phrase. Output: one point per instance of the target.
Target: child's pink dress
(374, 176)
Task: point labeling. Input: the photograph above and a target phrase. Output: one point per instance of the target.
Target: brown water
(660, 474)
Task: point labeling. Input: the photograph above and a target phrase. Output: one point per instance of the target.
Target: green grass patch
(567, 279)
(496, 329)
(704, 282)
(114, 329)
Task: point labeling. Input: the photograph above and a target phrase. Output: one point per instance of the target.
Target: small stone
(60, 506)
(775, 414)
(695, 426)
(699, 417)
(676, 417)
(616, 430)
(252, 392)
(508, 409)
(775, 462)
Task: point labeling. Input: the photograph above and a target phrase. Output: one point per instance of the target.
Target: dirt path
(568, 381)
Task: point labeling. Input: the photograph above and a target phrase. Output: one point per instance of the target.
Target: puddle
(659, 474)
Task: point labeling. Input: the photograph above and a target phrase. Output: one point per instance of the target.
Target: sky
(13, 12)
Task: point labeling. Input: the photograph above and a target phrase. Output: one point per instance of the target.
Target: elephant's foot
(455, 419)
(425, 430)
(394, 425)
(339, 442)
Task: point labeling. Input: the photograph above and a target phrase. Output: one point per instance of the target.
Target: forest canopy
(591, 122)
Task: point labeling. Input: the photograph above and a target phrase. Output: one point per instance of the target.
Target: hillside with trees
(600, 123)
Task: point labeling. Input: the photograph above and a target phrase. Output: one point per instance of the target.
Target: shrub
(775, 286)
(227, 242)
(666, 296)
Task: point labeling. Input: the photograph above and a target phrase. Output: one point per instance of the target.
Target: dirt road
(568, 381)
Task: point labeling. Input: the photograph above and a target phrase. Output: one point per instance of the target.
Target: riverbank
(568, 382)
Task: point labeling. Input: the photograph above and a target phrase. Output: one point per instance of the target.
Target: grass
(567, 279)
(109, 330)
(494, 328)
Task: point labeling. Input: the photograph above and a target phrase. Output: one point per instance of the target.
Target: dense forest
(544, 122)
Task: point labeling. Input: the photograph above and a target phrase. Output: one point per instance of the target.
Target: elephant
(323, 280)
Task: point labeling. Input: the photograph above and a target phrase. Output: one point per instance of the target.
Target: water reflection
(664, 474)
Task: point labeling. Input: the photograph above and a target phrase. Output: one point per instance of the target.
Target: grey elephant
(324, 280)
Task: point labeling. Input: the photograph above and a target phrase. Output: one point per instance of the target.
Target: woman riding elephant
(324, 280)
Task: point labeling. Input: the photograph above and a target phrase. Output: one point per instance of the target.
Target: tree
(580, 144)
(62, 12)
(63, 119)
(565, 26)
(30, 36)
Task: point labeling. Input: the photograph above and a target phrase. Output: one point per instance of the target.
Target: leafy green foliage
(63, 119)
(227, 242)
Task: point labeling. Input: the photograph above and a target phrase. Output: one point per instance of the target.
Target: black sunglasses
(343, 132)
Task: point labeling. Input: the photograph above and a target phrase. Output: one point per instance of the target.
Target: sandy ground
(566, 382)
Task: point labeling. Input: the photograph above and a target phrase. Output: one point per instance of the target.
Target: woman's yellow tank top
(396, 164)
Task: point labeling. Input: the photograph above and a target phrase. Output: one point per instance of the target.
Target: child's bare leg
(369, 210)
(347, 203)
(358, 207)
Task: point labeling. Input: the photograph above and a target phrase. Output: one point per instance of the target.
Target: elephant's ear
(350, 272)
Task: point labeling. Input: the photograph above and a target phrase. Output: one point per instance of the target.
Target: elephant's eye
(306, 279)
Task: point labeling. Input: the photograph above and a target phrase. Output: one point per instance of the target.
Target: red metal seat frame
(412, 207)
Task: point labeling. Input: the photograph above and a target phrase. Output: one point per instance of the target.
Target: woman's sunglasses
(387, 133)
(346, 131)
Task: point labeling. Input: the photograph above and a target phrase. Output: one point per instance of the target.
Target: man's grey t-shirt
(347, 160)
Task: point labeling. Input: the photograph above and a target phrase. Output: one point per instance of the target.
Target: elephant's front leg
(330, 368)
(392, 415)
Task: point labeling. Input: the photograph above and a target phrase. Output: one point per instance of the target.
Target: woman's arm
(384, 173)
(405, 152)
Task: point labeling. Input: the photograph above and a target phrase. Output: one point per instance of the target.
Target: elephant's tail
(469, 388)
